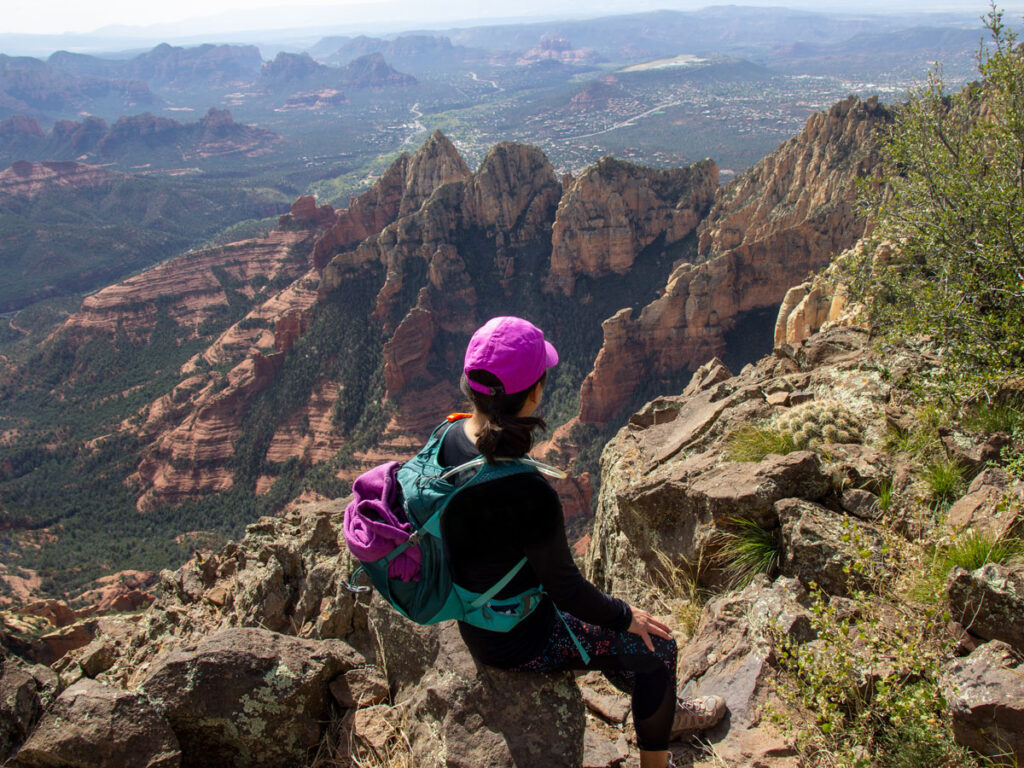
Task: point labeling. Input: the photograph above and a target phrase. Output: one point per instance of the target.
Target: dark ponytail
(505, 434)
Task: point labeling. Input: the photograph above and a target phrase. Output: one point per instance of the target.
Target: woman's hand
(646, 625)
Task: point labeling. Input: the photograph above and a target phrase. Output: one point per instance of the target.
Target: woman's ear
(532, 401)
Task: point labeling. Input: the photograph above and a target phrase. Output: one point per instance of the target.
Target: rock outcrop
(193, 287)
(401, 190)
(203, 673)
(989, 602)
(614, 210)
(24, 179)
(508, 203)
(733, 656)
(26, 691)
(986, 695)
(668, 487)
(95, 724)
(248, 697)
(785, 217)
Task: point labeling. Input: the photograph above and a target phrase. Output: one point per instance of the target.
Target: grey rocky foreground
(257, 655)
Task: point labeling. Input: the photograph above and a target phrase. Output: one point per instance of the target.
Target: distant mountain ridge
(34, 87)
(301, 70)
(144, 136)
(171, 66)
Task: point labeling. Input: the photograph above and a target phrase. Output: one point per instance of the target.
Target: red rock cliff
(785, 217)
(400, 191)
(614, 210)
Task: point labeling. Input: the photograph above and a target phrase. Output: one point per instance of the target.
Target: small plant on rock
(746, 549)
(683, 595)
(820, 421)
(885, 495)
(975, 549)
(754, 442)
(944, 479)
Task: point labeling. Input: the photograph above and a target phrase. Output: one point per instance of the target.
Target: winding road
(625, 123)
(417, 126)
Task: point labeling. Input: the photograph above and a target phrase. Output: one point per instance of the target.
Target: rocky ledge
(264, 636)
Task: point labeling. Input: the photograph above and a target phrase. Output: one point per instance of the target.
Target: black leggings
(650, 678)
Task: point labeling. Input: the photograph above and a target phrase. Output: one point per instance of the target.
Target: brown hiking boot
(697, 714)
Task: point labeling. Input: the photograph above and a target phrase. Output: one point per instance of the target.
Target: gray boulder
(989, 602)
(92, 725)
(732, 655)
(248, 697)
(25, 691)
(460, 713)
(833, 550)
(985, 692)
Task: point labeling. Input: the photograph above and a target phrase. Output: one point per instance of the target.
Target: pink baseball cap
(512, 349)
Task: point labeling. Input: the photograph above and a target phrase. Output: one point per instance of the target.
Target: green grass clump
(1005, 415)
(944, 478)
(885, 495)
(753, 443)
(975, 549)
(746, 550)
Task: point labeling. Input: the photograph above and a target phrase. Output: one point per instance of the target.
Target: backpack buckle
(354, 587)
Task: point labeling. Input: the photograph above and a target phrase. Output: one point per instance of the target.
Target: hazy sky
(221, 16)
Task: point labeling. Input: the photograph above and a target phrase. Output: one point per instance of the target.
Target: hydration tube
(479, 461)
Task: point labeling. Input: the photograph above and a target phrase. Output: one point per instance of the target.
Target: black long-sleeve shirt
(488, 529)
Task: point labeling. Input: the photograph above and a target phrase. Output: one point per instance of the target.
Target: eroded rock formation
(193, 287)
(24, 179)
(785, 217)
(402, 189)
(614, 210)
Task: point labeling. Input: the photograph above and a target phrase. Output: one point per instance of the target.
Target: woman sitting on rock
(490, 527)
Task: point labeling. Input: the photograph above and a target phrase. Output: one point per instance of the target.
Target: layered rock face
(27, 180)
(785, 217)
(194, 443)
(193, 287)
(192, 429)
(402, 189)
(614, 210)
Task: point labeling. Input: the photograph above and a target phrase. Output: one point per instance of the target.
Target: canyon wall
(432, 250)
(767, 230)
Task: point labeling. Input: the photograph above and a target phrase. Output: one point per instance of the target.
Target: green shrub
(865, 693)
(988, 416)
(952, 201)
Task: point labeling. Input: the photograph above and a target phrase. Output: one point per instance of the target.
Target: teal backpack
(394, 519)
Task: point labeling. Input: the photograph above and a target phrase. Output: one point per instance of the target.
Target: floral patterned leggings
(650, 678)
